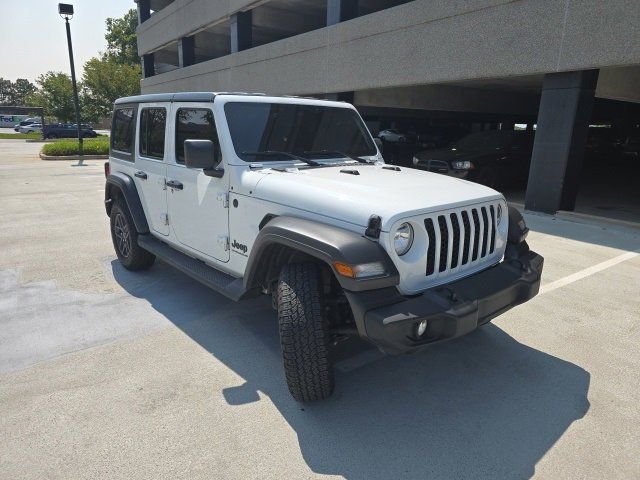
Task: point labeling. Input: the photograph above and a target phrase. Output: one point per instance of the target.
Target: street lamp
(66, 11)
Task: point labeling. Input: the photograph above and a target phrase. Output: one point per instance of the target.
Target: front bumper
(389, 320)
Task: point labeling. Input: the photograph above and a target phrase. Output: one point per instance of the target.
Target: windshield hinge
(223, 241)
(224, 198)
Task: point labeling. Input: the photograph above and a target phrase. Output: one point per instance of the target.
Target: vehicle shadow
(482, 406)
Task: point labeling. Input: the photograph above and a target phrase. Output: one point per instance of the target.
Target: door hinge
(223, 241)
(224, 198)
(165, 218)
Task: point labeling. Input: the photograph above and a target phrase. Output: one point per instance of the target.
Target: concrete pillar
(186, 51)
(144, 10)
(241, 31)
(148, 68)
(561, 135)
(341, 10)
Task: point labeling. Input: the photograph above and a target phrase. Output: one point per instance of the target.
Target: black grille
(455, 237)
(455, 228)
(467, 237)
(431, 250)
(444, 241)
(493, 222)
(476, 234)
(485, 232)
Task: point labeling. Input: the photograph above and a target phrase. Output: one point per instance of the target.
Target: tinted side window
(122, 130)
(194, 124)
(152, 127)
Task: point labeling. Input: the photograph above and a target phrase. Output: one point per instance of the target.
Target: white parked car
(34, 127)
(393, 135)
(290, 197)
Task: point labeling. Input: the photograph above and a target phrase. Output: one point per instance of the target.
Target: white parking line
(574, 277)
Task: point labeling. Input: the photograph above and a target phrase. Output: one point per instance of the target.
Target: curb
(73, 157)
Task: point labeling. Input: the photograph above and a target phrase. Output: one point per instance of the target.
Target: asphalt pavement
(106, 373)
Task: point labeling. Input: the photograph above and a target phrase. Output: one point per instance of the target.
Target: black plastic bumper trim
(389, 320)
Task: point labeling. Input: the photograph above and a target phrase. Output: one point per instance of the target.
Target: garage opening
(485, 131)
(280, 19)
(212, 42)
(166, 59)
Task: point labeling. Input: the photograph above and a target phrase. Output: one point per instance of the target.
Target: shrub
(92, 146)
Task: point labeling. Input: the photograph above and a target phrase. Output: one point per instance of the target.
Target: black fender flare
(326, 243)
(118, 181)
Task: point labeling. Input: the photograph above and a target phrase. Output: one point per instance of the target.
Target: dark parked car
(494, 158)
(67, 130)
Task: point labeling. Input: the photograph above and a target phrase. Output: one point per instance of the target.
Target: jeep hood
(391, 194)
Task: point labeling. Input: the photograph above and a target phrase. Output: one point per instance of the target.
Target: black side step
(221, 282)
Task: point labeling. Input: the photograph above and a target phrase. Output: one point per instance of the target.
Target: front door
(150, 168)
(198, 208)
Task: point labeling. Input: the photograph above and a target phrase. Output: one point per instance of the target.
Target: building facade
(546, 60)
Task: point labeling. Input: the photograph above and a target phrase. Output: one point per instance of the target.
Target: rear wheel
(304, 333)
(125, 240)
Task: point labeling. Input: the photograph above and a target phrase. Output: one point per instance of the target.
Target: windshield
(479, 140)
(302, 130)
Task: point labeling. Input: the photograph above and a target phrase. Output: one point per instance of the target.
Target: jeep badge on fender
(344, 243)
(238, 246)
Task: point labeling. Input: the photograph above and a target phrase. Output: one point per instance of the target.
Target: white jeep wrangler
(287, 196)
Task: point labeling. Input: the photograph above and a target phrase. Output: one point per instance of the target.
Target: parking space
(108, 373)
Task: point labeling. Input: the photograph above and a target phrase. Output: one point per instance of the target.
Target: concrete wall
(425, 41)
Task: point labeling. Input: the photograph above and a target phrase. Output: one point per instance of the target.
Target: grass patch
(92, 146)
(20, 136)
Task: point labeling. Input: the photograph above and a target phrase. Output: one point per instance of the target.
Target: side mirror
(203, 154)
(378, 143)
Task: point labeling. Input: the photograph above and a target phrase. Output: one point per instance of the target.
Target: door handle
(141, 174)
(174, 184)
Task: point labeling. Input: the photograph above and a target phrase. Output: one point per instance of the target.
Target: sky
(33, 38)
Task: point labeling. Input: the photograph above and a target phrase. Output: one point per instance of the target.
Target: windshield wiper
(337, 152)
(308, 161)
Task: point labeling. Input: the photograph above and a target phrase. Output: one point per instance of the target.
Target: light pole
(66, 11)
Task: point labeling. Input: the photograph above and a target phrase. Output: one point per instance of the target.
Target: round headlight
(403, 239)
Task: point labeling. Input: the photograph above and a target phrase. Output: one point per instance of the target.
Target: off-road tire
(304, 335)
(125, 240)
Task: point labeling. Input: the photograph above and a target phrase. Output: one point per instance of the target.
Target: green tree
(6, 90)
(121, 38)
(15, 93)
(21, 89)
(55, 95)
(103, 81)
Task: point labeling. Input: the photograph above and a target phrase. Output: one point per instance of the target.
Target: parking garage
(583, 150)
(425, 76)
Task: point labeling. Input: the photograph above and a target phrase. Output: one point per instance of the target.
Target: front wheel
(304, 333)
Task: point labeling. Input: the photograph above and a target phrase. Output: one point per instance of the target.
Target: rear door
(198, 207)
(151, 168)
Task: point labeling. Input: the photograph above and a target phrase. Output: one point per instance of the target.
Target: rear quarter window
(122, 132)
